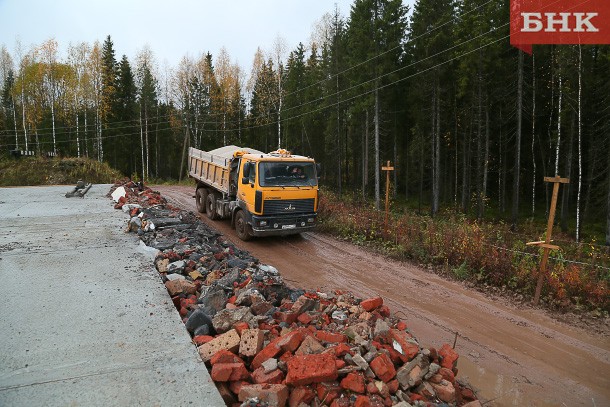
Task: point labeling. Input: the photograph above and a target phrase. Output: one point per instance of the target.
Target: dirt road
(515, 355)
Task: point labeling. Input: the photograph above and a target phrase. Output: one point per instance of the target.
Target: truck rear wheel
(242, 228)
(201, 197)
(210, 207)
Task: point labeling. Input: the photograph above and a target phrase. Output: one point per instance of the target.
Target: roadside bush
(482, 253)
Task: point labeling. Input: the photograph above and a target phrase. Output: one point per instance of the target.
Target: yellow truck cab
(263, 194)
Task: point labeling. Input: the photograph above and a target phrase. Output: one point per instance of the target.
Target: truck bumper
(282, 225)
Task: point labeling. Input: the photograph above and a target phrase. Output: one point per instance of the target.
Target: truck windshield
(294, 174)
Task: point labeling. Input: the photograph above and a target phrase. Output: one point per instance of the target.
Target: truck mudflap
(282, 225)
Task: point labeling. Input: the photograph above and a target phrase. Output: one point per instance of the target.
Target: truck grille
(288, 206)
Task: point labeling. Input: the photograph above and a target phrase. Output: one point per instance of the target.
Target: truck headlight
(275, 225)
(263, 223)
(310, 220)
(302, 223)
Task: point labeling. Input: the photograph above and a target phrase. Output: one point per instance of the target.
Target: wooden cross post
(546, 244)
(387, 169)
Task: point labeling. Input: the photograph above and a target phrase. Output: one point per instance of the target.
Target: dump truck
(264, 194)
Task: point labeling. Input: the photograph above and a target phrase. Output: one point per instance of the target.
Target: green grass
(28, 171)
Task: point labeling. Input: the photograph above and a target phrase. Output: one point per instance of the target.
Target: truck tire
(210, 207)
(242, 228)
(201, 197)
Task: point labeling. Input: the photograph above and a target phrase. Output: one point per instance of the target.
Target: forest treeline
(468, 121)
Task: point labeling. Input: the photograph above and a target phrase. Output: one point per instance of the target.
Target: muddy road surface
(515, 355)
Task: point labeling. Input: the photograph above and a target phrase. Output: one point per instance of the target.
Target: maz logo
(290, 208)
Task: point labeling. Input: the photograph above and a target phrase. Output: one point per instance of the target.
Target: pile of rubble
(268, 344)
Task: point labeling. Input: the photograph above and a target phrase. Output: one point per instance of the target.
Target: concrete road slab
(84, 318)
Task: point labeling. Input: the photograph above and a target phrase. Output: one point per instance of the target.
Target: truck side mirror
(245, 180)
(318, 170)
(247, 167)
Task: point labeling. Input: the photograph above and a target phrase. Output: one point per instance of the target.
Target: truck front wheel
(210, 207)
(241, 226)
(201, 197)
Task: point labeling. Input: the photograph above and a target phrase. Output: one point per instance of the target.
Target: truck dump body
(212, 167)
(263, 194)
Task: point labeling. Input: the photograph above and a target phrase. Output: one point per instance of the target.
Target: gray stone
(269, 365)
(228, 279)
(403, 374)
(176, 267)
(213, 299)
(265, 268)
(381, 328)
(369, 356)
(432, 370)
(173, 277)
(202, 330)
(197, 319)
(226, 318)
(360, 362)
(249, 297)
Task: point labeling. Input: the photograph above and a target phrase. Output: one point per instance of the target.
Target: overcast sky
(172, 29)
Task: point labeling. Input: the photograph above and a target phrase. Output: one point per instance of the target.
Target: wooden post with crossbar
(546, 244)
(387, 169)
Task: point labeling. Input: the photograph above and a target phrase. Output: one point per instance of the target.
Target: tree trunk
(25, 129)
(607, 208)
(479, 175)
(184, 143)
(147, 145)
(85, 136)
(558, 128)
(142, 146)
(437, 150)
(466, 169)
(485, 161)
(517, 167)
(15, 124)
(365, 166)
(565, 193)
(377, 169)
(533, 136)
(77, 137)
(580, 156)
(53, 124)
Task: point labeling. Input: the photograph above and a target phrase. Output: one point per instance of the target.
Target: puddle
(499, 390)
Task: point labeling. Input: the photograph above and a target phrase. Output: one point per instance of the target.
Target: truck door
(247, 185)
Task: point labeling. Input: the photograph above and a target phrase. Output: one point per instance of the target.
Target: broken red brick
(225, 393)
(287, 317)
(175, 287)
(393, 386)
(268, 352)
(401, 325)
(229, 372)
(340, 363)
(224, 356)
(274, 394)
(362, 401)
(307, 369)
(301, 395)
(327, 392)
(371, 303)
(447, 374)
(383, 367)
(309, 346)
(340, 402)
(236, 386)
(384, 311)
(330, 337)
(353, 382)
(201, 339)
(407, 348)
(371, 388)
(240, 327)
(305, 319)
(449, 356)
(274, 377)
